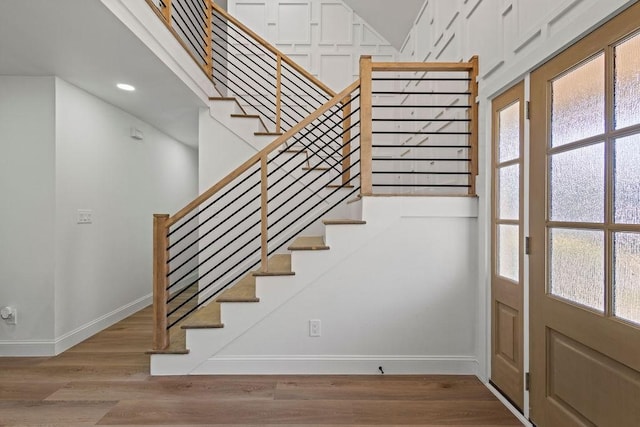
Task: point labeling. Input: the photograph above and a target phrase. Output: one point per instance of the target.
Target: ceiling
(392, 20)
(83, 43)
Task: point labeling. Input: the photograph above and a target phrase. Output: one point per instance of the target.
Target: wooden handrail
(422, 66)
(274, 50)
(166, 11)
(265, 151)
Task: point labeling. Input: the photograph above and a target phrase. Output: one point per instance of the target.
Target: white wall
(511, 37)
(103, 267)
(324, 36)
(398, 292)
(221, 150)
(27, 197)
(64, 150)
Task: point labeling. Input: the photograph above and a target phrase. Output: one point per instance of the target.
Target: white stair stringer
(273, 292)
(437, 326)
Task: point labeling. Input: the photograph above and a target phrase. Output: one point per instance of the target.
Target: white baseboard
(27, 348)
(337, 365)
(89, 329)
(35, 348)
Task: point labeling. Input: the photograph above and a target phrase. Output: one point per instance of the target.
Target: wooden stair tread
(243, 291)
(343, 222)
(221, 98)
(246, 116)
(279, 265)
(339, 186)
(267, 133)
(308, 243)
(178, 340)
(294, 150)
(315, 168)
(206, 317)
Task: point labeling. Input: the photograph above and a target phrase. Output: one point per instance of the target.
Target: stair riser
(223, 108)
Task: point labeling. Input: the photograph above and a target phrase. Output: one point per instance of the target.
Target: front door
(585, 231)
(507, 245)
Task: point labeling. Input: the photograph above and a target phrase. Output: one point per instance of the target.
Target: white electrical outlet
(314, 328)
(85, 216)
(9, 315)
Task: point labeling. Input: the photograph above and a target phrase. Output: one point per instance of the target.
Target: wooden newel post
(278, 92)
(365, 126)
(264, 200)
(346, 138)
(473, 124)
(166, 11)
(208, 37)
(160, 281)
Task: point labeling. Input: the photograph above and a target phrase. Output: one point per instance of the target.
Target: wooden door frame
(587, 328)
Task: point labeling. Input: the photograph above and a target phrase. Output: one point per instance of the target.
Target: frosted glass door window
(508, 251)
(627, 83)
(577, 185)
(578, 103)
(577, 266)
(626, 283)
(509, 192)
(509, 133)
(627, 180)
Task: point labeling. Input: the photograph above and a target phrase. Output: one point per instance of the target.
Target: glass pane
(626, 284)
(577, 185)
(508, 192)
(509, 138)
(627, 93)
(627, 180)
(578, 103)
(508, 254)
(577, 266)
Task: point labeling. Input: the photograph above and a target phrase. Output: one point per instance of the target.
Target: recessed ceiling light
(126, 87)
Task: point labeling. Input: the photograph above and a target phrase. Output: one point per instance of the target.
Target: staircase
(276, 227)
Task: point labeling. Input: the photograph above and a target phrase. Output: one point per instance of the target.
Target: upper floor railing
(242, 64)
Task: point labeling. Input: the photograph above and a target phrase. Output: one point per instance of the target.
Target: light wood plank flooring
(105, 381)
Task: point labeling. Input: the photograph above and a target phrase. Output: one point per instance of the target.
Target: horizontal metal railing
(242, 64)
(402, 128)
(235, 226)
(423, 131)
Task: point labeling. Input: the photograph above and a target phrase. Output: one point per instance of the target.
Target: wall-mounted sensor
(137, 134)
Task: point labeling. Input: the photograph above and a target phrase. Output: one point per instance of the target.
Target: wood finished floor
(105, 381)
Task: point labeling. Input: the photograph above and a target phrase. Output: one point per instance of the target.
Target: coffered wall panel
(297, 16)
(501, 32)
(324, 36)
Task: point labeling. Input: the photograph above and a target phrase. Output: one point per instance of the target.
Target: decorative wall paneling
(324, 36)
